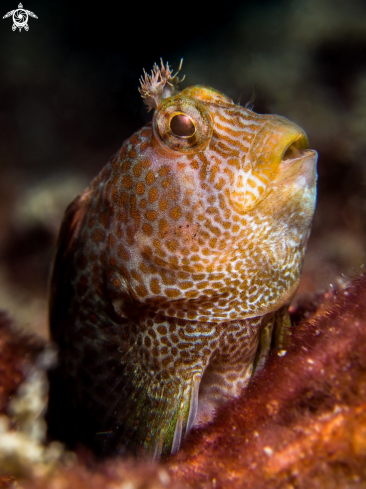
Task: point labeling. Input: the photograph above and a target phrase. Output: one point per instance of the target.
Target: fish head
(203, 214)
(227, 200)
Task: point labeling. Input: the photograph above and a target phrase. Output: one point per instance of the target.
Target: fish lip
(302, 168)
(302, 153)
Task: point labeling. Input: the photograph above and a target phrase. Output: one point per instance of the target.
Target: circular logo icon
(20, 19)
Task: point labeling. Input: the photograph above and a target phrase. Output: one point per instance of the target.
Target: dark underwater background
(68, 99)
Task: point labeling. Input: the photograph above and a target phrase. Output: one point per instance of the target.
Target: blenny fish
(176, 267)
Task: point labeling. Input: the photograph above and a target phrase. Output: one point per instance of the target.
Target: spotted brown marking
(175, 268)
(150, 178)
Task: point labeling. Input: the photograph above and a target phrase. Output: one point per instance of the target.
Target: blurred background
(68, 99)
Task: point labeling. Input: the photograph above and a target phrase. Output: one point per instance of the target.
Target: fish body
(175, 268)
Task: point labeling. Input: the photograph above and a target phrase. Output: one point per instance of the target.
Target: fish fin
(187, 412)
(275, 333)
(178, 429)
(264, 345)
(193, 405)
(66, 244)
(282, 329)
(151, 416)
(140, 414)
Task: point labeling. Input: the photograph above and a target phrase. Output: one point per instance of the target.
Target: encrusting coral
(24, 391)
(301, 423)
(18, 352)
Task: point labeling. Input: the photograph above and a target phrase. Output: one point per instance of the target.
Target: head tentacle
(160, 85)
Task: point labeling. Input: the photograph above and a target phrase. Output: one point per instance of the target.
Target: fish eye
(182, 126)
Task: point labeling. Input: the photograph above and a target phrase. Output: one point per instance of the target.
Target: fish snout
(278, 139)
(278, 143)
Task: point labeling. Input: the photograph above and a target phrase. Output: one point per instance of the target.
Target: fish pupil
(182, 126)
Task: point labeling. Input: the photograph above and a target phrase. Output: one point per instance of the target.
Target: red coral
(17, 351)
(302, 421)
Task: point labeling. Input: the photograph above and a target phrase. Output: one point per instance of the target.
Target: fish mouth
(296, 149)
(298, 161)
(284, 155)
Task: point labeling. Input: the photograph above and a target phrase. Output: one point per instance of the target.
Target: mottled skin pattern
(176, 266)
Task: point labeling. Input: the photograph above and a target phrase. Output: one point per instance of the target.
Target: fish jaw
(289, 212)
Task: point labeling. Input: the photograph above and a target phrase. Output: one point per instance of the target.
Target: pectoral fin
(187, 412)
(275, 333)
(152, 417)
